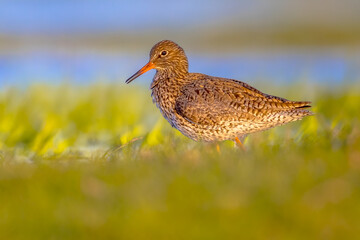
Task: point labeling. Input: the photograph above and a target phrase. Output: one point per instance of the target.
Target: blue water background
(86, 68)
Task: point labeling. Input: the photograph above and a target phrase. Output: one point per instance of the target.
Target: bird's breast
(164, 95)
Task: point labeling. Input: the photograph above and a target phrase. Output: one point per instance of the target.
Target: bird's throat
(165, 77)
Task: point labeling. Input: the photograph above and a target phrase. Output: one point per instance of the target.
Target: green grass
(98, 162)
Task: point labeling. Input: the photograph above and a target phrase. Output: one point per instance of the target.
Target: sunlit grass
(99, 162)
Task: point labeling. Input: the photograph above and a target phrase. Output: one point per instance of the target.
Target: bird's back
(233, 108)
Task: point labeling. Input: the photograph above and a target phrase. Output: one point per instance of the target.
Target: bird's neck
(169, 74)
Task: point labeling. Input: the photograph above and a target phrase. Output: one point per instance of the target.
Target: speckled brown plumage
(210, 108)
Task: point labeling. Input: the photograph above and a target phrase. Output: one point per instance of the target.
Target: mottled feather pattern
(210, 108)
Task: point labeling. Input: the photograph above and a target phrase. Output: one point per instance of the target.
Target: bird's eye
(164, 53)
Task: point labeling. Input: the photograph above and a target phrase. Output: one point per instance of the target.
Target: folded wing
(215, 101)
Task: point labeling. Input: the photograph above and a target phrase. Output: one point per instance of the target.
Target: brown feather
(210, 108)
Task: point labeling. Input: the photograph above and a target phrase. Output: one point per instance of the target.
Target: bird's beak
(144, 69)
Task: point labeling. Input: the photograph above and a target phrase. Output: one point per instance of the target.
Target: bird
(212, 109)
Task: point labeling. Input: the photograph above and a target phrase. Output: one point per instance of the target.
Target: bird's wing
(211, 100)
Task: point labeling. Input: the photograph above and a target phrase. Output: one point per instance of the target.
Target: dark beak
(144, 69)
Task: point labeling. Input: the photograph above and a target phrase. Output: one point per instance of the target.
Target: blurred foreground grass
(98, 162)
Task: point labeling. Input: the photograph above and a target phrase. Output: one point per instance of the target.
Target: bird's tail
(300, 104)
(289, 111)
(296, 110)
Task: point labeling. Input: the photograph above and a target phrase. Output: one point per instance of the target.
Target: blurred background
(82, 42)
(104, 163)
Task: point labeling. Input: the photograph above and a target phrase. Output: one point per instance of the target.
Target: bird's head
(166, 57)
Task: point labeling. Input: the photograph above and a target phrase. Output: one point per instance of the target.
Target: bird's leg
(239, 143)
(218, 147)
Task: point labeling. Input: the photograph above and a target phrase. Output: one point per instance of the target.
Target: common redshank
(211, 108)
